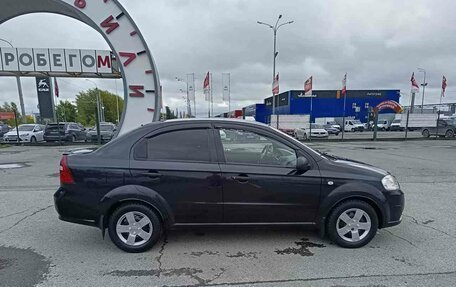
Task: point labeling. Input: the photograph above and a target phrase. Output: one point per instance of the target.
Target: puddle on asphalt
(302, 250)
(22, 267)
(12, 165)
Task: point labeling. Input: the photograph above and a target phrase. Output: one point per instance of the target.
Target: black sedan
(198, 172)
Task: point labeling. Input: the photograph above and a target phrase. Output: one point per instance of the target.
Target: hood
(14, 133)
(318, 130)
(363, 168)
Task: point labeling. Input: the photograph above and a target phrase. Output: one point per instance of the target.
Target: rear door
(259, 184)
(179, 163)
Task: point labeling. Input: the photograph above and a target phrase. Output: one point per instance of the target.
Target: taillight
(65, 174)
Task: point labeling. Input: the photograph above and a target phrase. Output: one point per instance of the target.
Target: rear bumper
(56, 138)
(71, 209)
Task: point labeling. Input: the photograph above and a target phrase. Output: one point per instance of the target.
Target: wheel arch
(135, 194)
(369, 194)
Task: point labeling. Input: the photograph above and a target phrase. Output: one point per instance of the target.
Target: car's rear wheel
(425, 133)
(352, 224)
(449, 134)
(134, 228)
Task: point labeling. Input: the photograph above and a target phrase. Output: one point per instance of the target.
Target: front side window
(182, 145)
(246, 147)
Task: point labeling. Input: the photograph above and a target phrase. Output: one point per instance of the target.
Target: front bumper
(395, 201)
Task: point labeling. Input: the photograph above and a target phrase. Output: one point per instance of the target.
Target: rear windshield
(55, 127)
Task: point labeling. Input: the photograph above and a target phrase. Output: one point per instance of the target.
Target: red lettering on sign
(106, 61)
(108, 23)
(137, 91)
(130, 56)
(81, 4)
(150, 110)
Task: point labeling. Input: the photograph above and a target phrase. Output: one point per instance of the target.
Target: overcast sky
(378, 43)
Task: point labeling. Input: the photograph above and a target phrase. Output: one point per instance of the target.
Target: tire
(449, 134)
(72, 138)
(33, 140)
(304, 137)
(336, 225)
(425, 133)
(121, 217)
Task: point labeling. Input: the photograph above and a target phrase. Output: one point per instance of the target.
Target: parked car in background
(382, 125)
(68, 132)
(354, 126)
(182, 173)
(31, 133)
(318, 131)
(331, 129)
(107, 131)
(396, 125)
(445, 128)
(4, 128)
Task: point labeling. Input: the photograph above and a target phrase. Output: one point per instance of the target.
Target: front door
(180, 164)
(259, 184)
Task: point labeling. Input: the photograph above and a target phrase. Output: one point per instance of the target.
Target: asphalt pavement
(36, 249)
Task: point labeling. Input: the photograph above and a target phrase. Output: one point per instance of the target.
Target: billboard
(58, 62)
(43, 88)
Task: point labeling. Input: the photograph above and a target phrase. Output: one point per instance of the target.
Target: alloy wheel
(134, 228)
(353, 225)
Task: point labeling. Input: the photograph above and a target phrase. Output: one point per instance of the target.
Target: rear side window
(182, 145)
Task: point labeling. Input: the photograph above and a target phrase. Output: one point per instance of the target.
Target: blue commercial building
(258, 111)
(330, 103)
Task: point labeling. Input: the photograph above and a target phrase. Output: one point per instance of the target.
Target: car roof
(217, 120)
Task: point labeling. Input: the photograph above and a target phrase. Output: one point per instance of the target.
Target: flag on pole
(444, 85)
(415, 87)
(56, 87)
(226, 81)
(275, 85)
(207, 87)
(191, 87)
(308, 87)
(344, 85)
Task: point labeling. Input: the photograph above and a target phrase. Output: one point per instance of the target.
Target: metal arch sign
(111, 20)
(393, 105)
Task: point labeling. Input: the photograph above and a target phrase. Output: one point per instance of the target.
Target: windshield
(357, 122)
(26, 128)
(105, 128)
(317, 126)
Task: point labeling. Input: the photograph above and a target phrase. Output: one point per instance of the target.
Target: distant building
(330, 103)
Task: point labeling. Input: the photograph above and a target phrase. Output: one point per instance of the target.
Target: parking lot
(37, 248)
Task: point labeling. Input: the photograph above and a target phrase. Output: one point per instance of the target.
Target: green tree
(11, 107)
(65, 112)
(169, 114)
(86, 102)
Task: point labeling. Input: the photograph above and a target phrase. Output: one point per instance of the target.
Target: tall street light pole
(189, 107)
(274, 28)
(19, 88)
(424, 84)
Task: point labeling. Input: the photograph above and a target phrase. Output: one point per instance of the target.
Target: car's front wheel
(134, 228)
(352, 224)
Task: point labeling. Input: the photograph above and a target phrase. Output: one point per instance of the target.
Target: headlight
(390, 183)
(24, 135)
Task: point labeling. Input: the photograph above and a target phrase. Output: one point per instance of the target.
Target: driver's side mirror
(302, 165)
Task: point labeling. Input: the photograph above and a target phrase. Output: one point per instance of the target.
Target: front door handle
(242, 178)
(152, 173)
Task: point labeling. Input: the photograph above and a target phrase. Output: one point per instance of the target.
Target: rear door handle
(242, 178)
